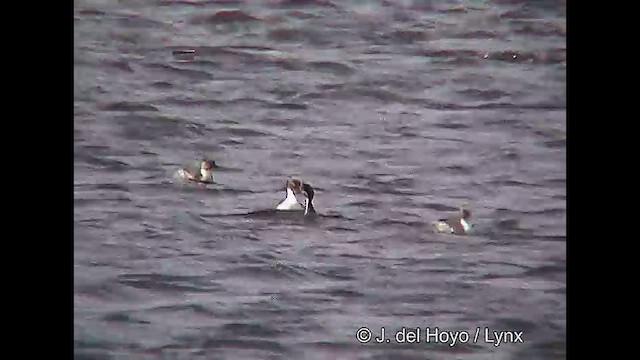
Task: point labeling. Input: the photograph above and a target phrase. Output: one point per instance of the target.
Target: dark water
(397, 112)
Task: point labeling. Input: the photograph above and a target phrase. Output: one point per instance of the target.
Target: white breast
(290, 202)
(465, 225)
(206, 175)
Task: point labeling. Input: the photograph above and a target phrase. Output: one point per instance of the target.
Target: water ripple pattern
(397, 112)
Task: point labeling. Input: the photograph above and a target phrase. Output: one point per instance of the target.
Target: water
(397, 112)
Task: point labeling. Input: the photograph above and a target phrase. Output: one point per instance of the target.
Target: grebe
(292, 187)
(206, 173)
(454, 225)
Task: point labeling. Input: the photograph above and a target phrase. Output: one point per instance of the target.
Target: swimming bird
(292, 187)
(454, 225)
(205, 176)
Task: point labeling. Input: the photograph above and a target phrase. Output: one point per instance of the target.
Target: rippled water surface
(397, 112)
